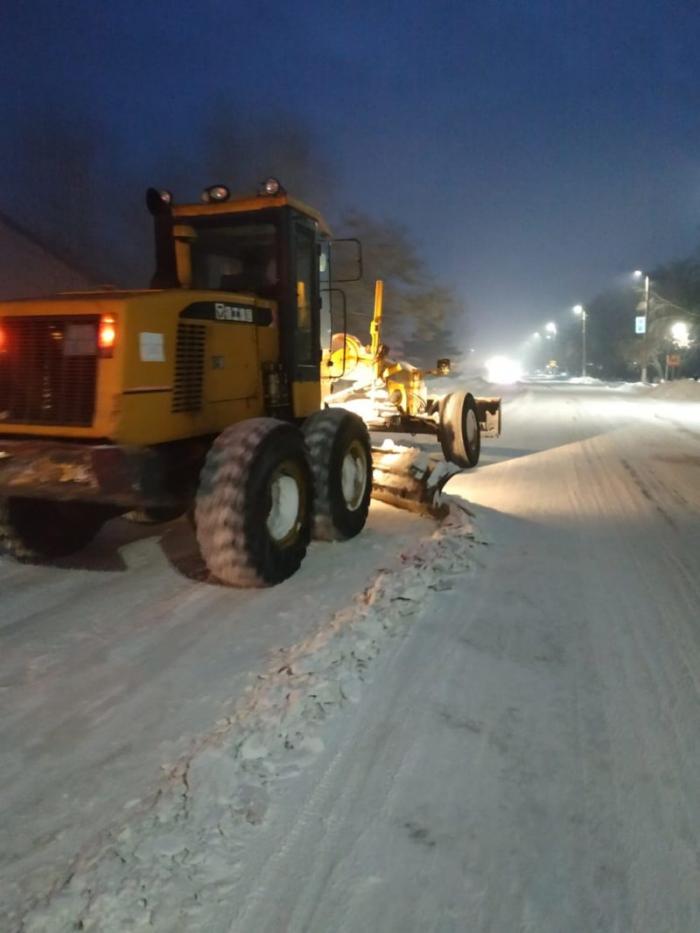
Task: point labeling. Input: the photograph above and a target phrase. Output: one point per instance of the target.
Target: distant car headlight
(502, 370)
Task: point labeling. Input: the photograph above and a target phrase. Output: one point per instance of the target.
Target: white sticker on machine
(152, 347)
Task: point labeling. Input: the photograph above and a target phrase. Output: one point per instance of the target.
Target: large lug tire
(254, 503)
(459, 432)
(40, 529)
(341, 460)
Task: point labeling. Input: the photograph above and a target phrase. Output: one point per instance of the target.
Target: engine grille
(48, 370)
(189, 367)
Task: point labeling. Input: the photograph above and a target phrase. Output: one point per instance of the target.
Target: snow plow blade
(409, 478)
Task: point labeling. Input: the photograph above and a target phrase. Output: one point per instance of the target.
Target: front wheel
(254, 502)
(459, 431)
(341, 460)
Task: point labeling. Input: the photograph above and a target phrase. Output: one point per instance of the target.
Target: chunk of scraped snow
(350, 687)
(326, 692)
(253, 747)
(312, 744)
(213, 774)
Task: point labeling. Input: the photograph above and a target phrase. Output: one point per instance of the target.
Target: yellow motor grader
(200, 394)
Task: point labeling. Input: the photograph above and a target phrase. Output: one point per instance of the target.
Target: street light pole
(579, 309)
(647, 290)
(647, 298)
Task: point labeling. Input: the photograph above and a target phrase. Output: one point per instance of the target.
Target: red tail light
(3, 339)
(107, 335)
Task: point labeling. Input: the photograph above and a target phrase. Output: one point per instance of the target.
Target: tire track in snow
(155, 870)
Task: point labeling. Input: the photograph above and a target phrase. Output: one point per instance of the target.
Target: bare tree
(419, 312)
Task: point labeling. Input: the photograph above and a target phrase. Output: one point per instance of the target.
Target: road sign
(673, 360)
(640, 324)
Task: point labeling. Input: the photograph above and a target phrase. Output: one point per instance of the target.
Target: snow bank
(172, 865)
(682, 390)
(584, 381)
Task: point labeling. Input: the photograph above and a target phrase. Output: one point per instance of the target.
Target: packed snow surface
(436, 726)
(158, 867)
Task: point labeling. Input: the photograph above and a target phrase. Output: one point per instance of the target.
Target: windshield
(240, 257)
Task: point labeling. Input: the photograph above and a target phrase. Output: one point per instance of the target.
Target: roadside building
(30, 267)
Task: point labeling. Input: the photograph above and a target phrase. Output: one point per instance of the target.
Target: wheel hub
(353, 477)
(285, 502)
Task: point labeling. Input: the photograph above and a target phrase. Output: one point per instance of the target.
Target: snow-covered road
(523, 755)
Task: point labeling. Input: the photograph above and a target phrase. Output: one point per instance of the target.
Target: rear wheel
(459, 433)
(341, 460)
(41, 529)
(253, 508)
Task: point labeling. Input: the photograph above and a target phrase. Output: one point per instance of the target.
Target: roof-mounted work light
(270, 187)
(158, 200)
(215, 194)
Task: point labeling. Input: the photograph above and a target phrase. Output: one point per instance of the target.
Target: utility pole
(580, 310)
(647, 291)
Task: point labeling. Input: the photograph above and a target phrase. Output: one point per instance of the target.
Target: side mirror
(347, 259)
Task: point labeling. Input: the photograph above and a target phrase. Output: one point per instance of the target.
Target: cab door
(305, 375)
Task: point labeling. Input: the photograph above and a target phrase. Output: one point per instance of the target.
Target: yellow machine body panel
(306, 398)
(175, 371)
(228, 379)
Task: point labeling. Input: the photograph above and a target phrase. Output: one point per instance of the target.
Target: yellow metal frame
(245, 204)
(404, 383)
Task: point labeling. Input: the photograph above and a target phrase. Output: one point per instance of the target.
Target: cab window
(235, 258)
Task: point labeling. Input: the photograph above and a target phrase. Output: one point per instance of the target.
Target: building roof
(29, 267)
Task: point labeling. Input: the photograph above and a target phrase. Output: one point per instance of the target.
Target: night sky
(536, 150)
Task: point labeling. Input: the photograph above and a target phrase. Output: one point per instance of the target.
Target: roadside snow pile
(584, 381)
(682, 390)
(634, 387)
(173, 865)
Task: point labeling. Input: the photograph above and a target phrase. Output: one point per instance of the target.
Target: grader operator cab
(202, 393)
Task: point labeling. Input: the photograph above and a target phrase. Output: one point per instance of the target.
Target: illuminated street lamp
(680, 332)
(581, 311)
(638, 274)
(551, 330)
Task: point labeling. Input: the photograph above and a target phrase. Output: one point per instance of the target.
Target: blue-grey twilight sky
(536, 149)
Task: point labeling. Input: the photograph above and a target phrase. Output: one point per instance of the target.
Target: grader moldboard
(201, 394)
